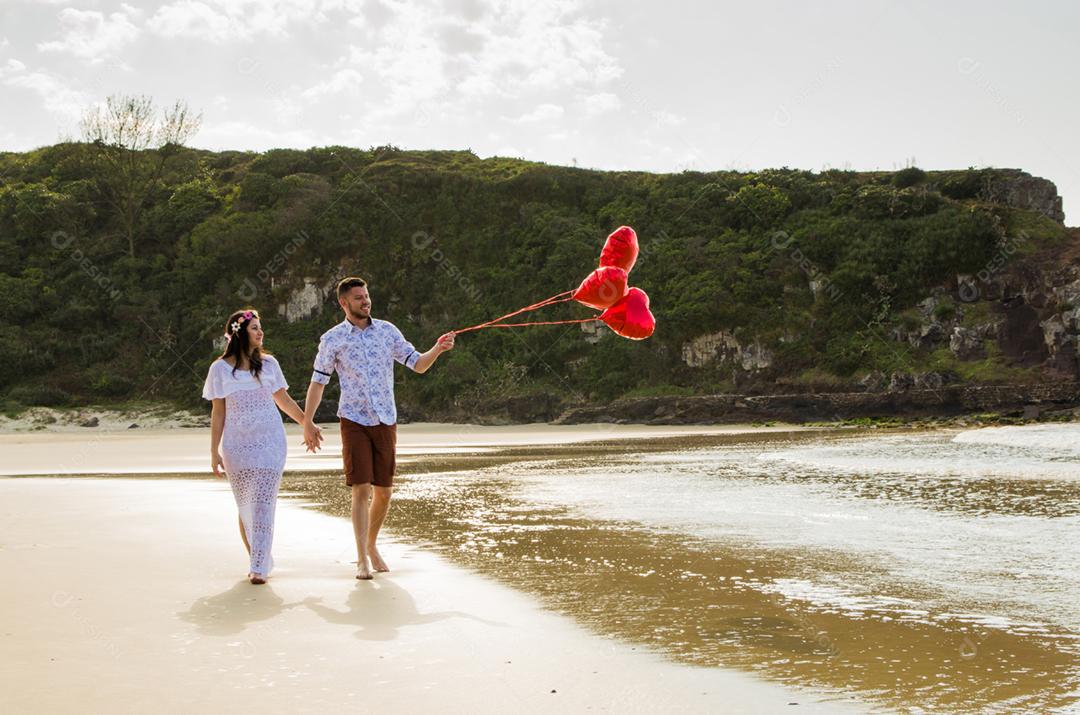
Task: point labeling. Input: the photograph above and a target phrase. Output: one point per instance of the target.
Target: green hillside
(810, 275)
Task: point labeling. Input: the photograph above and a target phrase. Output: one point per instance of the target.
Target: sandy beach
(627, 569)
(185, 451)
(128, 595)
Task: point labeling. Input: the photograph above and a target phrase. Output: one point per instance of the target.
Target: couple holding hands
(247, 439)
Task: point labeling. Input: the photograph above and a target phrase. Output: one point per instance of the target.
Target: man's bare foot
(363, 573)
(377, 562)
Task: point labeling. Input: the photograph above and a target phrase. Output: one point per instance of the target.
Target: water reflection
(716, 551)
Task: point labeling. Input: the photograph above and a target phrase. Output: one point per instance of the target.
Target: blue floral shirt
(364, 360)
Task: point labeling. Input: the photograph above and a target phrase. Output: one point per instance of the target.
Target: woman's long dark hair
(240, 344)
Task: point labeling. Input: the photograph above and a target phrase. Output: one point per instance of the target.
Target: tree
(131, 141)
(910, 176)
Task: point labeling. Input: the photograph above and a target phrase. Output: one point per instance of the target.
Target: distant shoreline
(182, 452)
(959, 405)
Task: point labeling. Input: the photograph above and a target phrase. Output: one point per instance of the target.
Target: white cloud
(221, 21)
(11, 67)
(56, 96)
(538, 46)
(666, 119)
(343, 80)
(405, 58)
(543, 113)
(190, 18)
(353, 6)
(286, 110)
(92, 35)
(475, 56)
(601, 103)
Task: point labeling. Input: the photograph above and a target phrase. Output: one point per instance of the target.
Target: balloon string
(557, 298)
(543, 322)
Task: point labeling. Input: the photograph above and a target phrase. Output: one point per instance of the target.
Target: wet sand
(710, 603)
(128, 596)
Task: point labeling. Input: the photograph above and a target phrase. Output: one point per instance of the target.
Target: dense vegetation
(93, 312)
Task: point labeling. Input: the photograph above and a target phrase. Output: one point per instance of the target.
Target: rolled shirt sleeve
(403, 350)
(324, 361)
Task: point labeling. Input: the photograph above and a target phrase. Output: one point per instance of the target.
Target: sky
(655, 86)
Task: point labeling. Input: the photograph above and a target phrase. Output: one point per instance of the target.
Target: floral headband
(234, 328)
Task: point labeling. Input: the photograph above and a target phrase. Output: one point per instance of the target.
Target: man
(363, 349)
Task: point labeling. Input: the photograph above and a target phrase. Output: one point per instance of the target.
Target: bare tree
(132, 140)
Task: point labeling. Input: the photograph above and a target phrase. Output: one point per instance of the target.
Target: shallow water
(932, 570)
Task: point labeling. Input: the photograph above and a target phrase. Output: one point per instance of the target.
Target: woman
(244, 385)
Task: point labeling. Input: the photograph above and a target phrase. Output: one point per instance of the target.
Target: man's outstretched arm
(426, 360)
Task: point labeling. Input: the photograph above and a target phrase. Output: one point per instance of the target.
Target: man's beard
(357, 315)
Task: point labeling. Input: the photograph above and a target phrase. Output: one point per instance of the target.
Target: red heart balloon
(602, 288)
(620, 249)
(631, 317)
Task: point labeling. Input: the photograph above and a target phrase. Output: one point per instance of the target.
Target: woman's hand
(217, 464)
(312, 436)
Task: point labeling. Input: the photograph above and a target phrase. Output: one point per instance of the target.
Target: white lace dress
(253, 448)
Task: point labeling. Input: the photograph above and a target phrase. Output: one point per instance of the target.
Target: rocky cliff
(1019, 189)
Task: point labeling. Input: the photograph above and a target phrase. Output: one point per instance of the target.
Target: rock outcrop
(305, 301)
(723, 347)
(1019, 189)
(1059, 333)
(969, 343)
(593, 332)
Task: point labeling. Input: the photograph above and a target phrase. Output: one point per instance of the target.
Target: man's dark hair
(347, 284)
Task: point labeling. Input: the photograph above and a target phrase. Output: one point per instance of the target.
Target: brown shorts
(369, 453)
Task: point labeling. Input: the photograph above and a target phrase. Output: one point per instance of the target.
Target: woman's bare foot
(377, 562)
(257, 580)
(363, 573)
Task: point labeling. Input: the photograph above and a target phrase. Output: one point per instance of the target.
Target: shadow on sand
(232, 611)
(381, 608)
